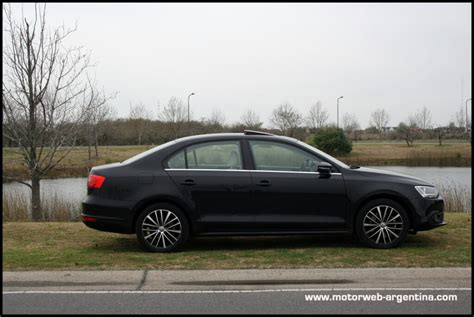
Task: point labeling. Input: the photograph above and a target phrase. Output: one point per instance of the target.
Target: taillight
(95, 181)
(88, 219)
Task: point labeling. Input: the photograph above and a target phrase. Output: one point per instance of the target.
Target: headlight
(427, 191)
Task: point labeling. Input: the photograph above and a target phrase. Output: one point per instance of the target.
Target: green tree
(331, 140)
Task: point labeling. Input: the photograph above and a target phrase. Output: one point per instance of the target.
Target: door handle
(188, 182)
(264, 183)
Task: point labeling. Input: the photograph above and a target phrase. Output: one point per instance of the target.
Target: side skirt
(270, 233)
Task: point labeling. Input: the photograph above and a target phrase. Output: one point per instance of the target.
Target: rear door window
(208, 155)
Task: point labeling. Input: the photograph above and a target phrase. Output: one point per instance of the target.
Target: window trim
(244, 170)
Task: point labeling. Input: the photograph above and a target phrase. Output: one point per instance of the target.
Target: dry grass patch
(385, 153)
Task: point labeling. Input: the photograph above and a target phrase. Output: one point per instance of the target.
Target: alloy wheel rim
(383, 224)
(161, 228)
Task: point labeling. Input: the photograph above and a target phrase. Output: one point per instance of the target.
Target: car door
(289, 193)
(212, 180)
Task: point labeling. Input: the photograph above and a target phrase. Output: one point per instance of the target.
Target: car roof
(217, 136)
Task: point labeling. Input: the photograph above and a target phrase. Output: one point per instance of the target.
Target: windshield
(143, 154)
(322, 154)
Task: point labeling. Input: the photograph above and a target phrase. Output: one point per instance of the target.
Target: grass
(422, 154)
(76, 164)
(364, 153)
(59, 246)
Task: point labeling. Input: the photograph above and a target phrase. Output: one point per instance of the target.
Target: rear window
(177, 160)
(146, 153)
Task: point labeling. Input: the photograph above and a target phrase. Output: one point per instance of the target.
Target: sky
(236, 56)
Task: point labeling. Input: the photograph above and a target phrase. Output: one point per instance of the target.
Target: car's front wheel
(382, 224)
(162, 228)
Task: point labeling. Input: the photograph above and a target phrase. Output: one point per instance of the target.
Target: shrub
(331, 140)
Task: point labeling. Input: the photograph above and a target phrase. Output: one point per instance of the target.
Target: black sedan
(254, 183)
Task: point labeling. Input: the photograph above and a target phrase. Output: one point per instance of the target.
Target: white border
(236, 291)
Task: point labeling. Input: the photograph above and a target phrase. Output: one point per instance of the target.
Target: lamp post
(189, 96)
(338, 110)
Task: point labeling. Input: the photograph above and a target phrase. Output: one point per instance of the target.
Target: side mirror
(324, 168)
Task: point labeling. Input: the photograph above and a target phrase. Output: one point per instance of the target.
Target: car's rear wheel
(382, 224)
(162, 228)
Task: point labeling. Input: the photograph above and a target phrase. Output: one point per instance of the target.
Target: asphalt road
(238, 291)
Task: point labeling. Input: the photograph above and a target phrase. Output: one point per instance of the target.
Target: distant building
(389, 129)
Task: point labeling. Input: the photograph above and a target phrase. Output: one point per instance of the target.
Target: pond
(436, 175)
(74, 189)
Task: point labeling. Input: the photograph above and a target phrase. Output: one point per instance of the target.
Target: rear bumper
(106, 224)
(110, 216)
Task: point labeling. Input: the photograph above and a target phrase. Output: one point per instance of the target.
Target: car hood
(372, 172)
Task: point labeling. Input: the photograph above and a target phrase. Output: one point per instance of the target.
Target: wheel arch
(140, 206)
(405, 203)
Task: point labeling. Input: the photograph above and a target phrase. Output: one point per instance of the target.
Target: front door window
(275, 156)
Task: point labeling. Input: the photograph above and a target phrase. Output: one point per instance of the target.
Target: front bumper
(432, 215)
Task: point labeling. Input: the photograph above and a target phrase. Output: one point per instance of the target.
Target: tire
(155, 237)
(382, 224)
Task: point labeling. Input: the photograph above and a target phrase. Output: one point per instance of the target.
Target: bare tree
(251, 120)
(460, 118)
(379, 119)
(408, 130)
(215, 122)
(45, 95)
(317, 116)
(100, 111)
(286, 118)
(140, 117)
(105, 124)
(423, 118)
(175, 114)
(217, 117)
(104, 113)
(350, 123)
(440, 131)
